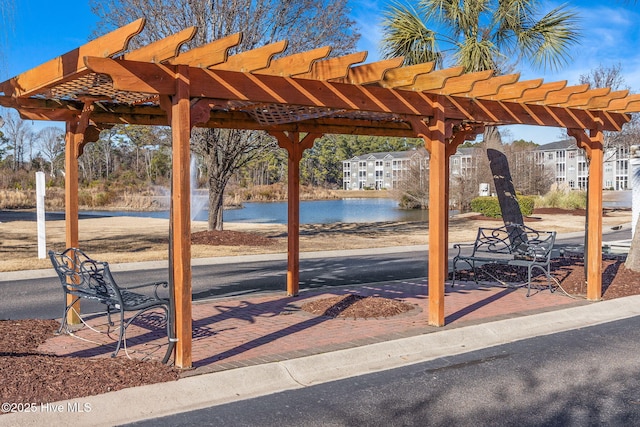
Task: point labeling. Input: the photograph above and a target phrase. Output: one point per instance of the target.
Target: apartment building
(562, 159)
(384, 171)
(568, 164)
(379, 171)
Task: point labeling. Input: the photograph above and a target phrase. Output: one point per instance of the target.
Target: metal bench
(84, 278)
(513, 245)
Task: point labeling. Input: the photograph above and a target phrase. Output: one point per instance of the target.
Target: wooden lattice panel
(95, 85)
(275, 114)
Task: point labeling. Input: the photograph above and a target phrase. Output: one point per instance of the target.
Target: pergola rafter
(104, 83)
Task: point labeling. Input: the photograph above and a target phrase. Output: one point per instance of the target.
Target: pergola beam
(209, 54)
(463, 84)
(516, 90)
(253, 60)
(237, 86)
(492, 86)
(434, 80)
(405, 76)
(68, 66)
(162, 50)
(584, 98)
(333, 68)
(541, 92)
(370, 73)
(298, 63)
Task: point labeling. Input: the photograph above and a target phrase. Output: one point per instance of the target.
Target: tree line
(141, 156)
(126, 157)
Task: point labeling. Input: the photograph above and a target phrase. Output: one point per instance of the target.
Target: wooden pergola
(297, 98)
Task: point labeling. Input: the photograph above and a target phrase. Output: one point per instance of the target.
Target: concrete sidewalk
(254, 345)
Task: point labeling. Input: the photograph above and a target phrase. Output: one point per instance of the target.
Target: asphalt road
(588, 376)
(42, 297)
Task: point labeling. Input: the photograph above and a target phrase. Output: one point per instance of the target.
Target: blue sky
(42, 30)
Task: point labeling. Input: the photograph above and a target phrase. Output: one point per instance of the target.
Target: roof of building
(391, 154)
(558, 145)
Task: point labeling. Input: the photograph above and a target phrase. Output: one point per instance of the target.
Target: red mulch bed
(31, 377)
(356, 307)
(229, 238)
(617, 281)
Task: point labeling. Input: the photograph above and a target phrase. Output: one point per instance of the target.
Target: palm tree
(482, 35)
(479, 34)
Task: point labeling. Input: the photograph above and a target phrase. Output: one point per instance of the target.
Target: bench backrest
(84, 277)
(519, 240)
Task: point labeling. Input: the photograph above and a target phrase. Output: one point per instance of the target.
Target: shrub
(563, 200)
(490, 206)
(527, 203)
(487, 206)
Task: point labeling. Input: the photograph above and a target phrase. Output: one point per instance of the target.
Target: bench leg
(63, 322)
(546, 273)
(122, 329)
(170, 338)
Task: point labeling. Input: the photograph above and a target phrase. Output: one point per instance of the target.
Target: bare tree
(19, 134)
(612, 77)
(52, 147)
(413, 185)
(306, 24)
(225, 151)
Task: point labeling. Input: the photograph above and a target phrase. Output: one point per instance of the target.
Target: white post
(40, 193)
(634, 164)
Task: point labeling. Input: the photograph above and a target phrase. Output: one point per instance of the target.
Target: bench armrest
(156, 285)
(461, 246)
(538, 251)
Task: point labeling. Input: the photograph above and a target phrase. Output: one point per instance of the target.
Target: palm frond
(547, 42)
(405, 34)
(476, 55)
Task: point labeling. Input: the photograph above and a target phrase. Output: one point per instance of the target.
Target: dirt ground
(132, 239)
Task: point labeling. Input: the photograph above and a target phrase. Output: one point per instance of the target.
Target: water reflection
(311, 212)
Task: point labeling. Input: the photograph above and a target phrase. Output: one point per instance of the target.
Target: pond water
(311, 212)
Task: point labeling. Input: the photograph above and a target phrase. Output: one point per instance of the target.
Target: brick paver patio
(254, 329)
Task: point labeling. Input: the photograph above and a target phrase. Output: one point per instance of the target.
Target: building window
(622, 167)
(572, 154)
(621, 182)
(582, 182)
(582, 168)
(623, 152)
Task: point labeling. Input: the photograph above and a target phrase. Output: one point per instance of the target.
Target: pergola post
(435, 143)
(72, 152)
(79, 131)
(593, 145)
(460, 135)
(295, 147)
(181, 227)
